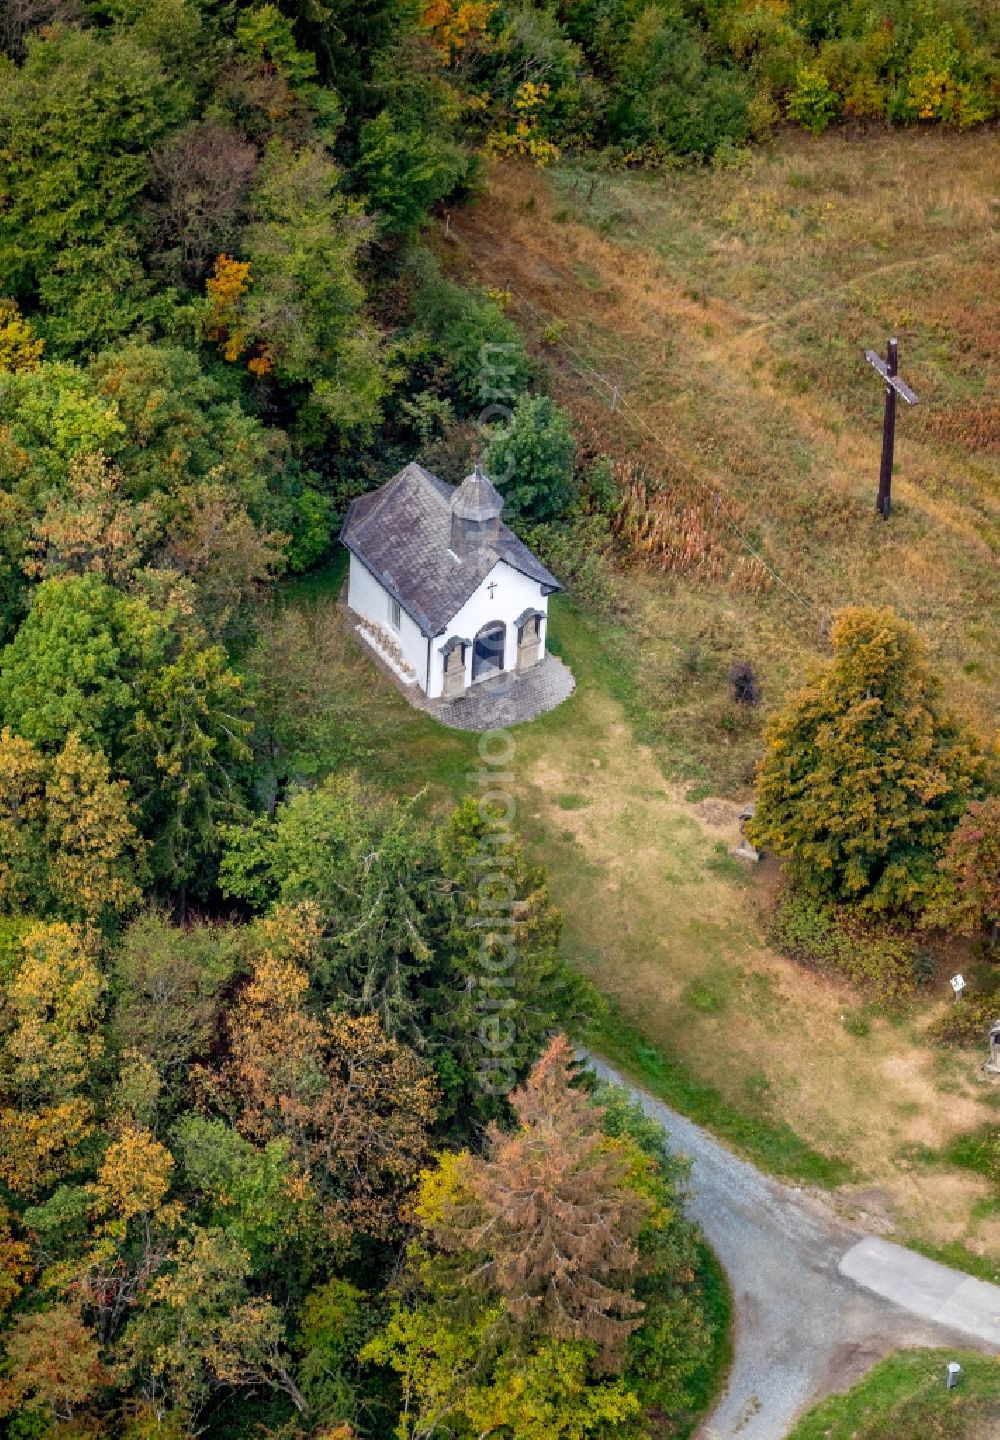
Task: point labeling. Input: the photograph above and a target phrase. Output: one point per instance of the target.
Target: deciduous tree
(353, 1105)
(257, 1195)
(213, 540)
(200, 177)
(134, 1222)
(464, 1374)
(76, 662)
(199, 1329)
(95, 856)
(531, 460)
(22, 815)
(91, 526)
(19, 348)
(70, 845)
(169, 983)
(49, 1051)
(53, 1365)
(306, 305)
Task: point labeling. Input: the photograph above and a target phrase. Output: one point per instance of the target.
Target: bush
(578, 552)
(967, 1022)
(744, 683)
(925, 967)
(820, 936)
(969, 897)
(670, 99)
(812, 103)
(481, 352)
(600, 486)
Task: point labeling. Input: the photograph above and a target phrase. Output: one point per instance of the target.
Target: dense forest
(252, 1180)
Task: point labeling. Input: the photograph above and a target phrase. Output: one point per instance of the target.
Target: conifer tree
(552, 1220)
(866, 772)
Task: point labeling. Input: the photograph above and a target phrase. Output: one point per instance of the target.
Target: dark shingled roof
(402, 533)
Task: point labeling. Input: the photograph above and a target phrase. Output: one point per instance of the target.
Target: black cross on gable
(491, 587)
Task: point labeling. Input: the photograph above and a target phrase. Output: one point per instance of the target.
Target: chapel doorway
(487, 650)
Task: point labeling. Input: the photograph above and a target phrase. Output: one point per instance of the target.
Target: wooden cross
(491, 587)
(893, 387)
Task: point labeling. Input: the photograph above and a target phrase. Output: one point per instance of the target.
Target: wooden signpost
(893, 387)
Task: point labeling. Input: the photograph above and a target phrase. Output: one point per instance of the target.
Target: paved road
(817, 1302)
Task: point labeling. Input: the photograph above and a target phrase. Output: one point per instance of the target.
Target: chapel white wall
(367, 596)
(515, 593)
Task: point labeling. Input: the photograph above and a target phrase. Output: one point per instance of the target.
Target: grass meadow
(730, 308)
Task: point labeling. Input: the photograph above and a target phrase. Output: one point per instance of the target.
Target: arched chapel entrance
(488, 650)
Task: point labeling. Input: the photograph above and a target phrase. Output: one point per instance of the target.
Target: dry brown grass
(663, 927)
(731, 310)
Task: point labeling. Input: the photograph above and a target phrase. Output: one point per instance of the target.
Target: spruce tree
(866, 771)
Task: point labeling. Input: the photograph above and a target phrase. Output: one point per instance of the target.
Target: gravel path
(817, 1302)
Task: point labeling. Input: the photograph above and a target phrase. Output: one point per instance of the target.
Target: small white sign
(957, 984)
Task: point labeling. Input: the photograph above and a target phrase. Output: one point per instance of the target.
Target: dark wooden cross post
(893, 387)
(491, 587)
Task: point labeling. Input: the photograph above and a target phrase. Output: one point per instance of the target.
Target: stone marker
(993, 1063)
(744, 850)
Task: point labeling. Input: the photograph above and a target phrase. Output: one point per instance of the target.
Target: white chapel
(445, 591)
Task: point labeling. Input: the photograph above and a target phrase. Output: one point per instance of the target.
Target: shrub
(482, 352)
(970, 873)
(966, 1022)
(600, 486)
(670, 99)
(925, 965)
(578, 552)
(744, 683)
(812, 102)
(404, 171)
(825, 938)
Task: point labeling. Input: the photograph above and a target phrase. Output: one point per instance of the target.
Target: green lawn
(774, 1146)
(905, 1398)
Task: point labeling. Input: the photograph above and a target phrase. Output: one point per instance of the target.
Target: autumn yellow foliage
(19, 348)
(454, 25)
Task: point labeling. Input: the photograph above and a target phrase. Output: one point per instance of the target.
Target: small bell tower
(475, 514)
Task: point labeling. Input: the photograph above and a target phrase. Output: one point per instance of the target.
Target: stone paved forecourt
(510, 699)
(504, 700)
